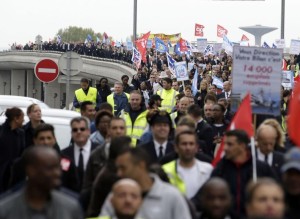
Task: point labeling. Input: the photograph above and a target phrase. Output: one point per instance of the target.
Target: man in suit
(227, 91)
(266, 137)
(159, 146)
(203, 130)
(81, 148)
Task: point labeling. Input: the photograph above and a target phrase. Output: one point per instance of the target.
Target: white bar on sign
(47, 70)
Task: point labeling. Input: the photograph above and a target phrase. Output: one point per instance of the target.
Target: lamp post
(282, 18)
(134, 19)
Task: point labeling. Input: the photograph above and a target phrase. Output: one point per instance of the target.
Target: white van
(9, 101)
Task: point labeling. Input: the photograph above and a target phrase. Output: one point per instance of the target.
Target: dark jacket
(103, 92)
(101, 188)
(12, 144)
(205, 136)
(238, 176)
(199, 98)
(150, 148)
(29, 131)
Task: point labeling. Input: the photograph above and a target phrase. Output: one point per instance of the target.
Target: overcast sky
(22, 20)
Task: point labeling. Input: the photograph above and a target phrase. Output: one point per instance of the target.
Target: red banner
(141, 45)
(221, 31)
(199, 30)
(244, 38)
(183, 45)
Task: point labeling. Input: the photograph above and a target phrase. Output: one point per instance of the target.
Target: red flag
(141, 45)
(113, 43)
(297, 78)
(199, 30)
(241, 120)
(221, 31)
(294, 116)
(183, 45)
(284, 65)
(105, 35)
(244, 38)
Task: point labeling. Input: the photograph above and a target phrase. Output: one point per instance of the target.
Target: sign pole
(45, 92)
(68, 79)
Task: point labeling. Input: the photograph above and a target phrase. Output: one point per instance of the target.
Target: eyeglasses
(82, 129)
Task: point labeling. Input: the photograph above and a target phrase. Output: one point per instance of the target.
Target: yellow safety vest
(173, 117)
(110, 100)
(91, 96)
(136, 130)
(168, 97)
(175, 180)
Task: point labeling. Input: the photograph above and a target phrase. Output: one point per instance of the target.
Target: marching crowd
(143, 149)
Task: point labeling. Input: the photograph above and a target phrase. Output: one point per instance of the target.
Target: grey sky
(22, 20)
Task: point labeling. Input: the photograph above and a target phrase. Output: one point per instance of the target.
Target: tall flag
(208, 50)
(244, 38)
(136, 57)
(294, 116)
(265, 45)
(141, 44)
(199, 30)
(169, 44)
(171, 63)
(177, 49)
(160, 45)
(274, 46)
(183, 45)
(195, 83)
(221, 31)
(241, 120)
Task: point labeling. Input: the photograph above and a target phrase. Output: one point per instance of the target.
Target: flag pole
(254, 174)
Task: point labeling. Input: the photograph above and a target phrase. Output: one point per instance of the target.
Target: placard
(181, 71)
(295, 47)
(258, 71)
(287, 79)
(201, 44)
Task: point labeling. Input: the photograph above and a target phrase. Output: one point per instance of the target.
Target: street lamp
(134, 19)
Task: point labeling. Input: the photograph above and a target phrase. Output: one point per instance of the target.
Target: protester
(265, 199)
(87, 109)
(118, 99)
(12, 142)
(183, 104)
(135, 117)
(103, 89)
(39, 199)
(34, 114)
(168, 95)
(101, 122)
(86, 93)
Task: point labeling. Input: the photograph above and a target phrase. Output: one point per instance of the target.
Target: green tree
(77, 34)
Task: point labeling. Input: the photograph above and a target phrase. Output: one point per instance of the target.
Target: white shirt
(157, 145)
(261, 157)
(194, 177)
(85, 152)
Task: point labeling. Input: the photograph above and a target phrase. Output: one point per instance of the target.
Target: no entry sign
(46, 70)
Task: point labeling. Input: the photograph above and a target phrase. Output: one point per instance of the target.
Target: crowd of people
(94, 49)
(144, 149)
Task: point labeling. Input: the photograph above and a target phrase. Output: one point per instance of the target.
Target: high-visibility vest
(135, 130)
(175, 180)
(111, 101)
(168, 97)
(90, 96)
(173, 117)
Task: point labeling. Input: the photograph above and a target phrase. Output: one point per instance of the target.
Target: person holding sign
(168, 95)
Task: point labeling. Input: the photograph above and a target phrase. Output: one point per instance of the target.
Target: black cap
(155, 97)
(160, 117)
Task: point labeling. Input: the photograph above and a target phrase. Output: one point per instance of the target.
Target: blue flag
(171, 63)
(274, 46)
(177, 49)
(195, 83)
(265, 45)
(160, 45)
(89, 37)
(169, 44)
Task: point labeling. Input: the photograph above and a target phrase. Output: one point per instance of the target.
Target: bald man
(126, 198)
(215, 200)
(183, 104)
(266, 137)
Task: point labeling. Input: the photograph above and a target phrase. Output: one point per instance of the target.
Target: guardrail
(39, 52)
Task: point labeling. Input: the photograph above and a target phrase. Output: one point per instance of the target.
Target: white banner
(258, 71)
(201, 44)
(287, 79)
(295, 47)
(280, 43)
(227, 45)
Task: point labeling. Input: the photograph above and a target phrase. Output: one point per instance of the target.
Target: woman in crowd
(102, 121)
(34, 114)
(265, 199)
(103, 89)
(199, 98)
(12, 142)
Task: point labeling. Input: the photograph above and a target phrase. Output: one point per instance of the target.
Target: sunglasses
(82, 129)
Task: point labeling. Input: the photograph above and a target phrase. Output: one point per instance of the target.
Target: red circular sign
(46, 70)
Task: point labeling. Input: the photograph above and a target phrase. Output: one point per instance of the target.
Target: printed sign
(181, 71)
(287, 79)
(201, 44)
(258, 71)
